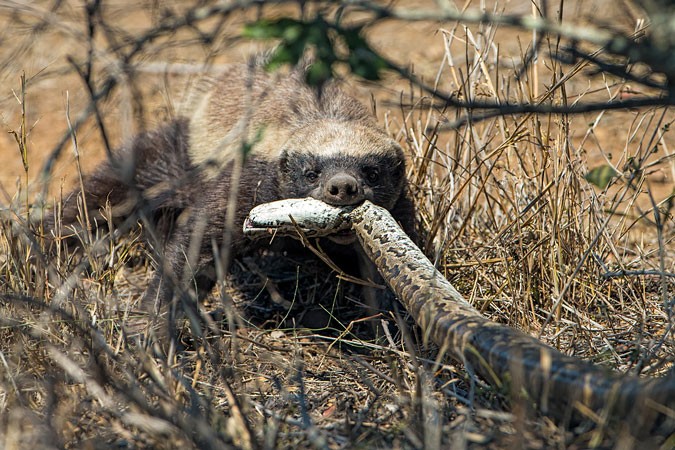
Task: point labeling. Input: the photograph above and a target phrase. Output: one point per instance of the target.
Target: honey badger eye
(311, 175)
(372, 175)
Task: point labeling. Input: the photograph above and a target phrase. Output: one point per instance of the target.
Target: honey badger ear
(399, 167)
(337, 105)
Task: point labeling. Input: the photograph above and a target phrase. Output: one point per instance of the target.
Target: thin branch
(637, 273)
(540, 108)
(657, 57)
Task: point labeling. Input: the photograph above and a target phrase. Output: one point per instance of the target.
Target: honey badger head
(321, 144)
(342, 162)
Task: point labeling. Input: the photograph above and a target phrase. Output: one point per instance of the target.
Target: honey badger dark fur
(303, 143)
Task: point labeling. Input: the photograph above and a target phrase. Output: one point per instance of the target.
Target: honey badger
(255, 137)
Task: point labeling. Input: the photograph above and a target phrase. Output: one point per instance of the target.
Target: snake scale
(558, 385)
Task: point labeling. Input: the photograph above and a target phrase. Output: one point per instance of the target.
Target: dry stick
(76, 150)
(562, 386)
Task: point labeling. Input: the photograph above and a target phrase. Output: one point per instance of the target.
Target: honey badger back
(298, 143)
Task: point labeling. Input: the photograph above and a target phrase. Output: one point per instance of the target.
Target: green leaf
(293, 33)
(363, 60)
(295, 37)
(366, 64)
(262, 29)
(601, 175)
(289, 30)
(285, 54)
(318, 72)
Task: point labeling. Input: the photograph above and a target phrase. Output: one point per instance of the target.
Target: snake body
(514, 362)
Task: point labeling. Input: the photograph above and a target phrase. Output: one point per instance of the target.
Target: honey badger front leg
(376, 296)
(184, 274)
(186, 268)
(314, 219)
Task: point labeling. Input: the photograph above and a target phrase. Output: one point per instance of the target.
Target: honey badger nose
(342, 189)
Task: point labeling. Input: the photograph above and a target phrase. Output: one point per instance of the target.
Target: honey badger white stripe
(248, 105)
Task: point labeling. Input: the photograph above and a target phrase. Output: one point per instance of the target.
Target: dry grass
(504, 210)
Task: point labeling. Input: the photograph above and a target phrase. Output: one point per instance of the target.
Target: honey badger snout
(342, 189)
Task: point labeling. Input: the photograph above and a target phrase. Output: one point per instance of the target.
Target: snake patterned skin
(517, 364)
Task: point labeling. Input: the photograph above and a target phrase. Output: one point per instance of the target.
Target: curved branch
(657, 56)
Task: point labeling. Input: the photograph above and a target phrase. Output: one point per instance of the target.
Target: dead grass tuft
(504, 210)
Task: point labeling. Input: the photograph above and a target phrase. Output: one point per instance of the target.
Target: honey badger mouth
(345, 237)
(311, 218)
